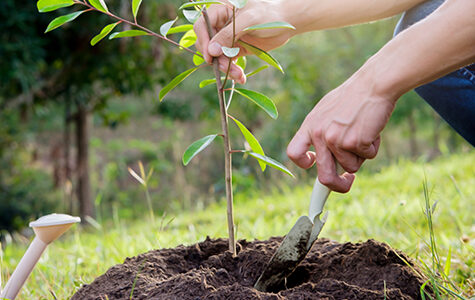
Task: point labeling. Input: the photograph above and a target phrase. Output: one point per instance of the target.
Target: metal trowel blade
(290, 253)
(317, 228)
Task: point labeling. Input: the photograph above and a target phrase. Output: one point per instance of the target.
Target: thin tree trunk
(227, 145)
(67, 156)
(412, 135)
(86, 206)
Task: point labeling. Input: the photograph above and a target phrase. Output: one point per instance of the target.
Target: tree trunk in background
(124, 13)
(412, 135)
(67, 157)
(179, 176)
(435, 152)
(86, 206)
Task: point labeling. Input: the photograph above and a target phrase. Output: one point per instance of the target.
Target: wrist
(381, 80)
(300, 14)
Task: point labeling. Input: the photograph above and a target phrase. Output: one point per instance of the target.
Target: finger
(218, 16)
(348, 160)
(365, 149)
(235, 72)
(224, 37)
(297, 150)
(327, 173)
(202, 38)
(377, 143)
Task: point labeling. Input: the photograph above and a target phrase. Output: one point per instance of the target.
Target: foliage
(387, 206)
(25, 191)
(188, 40)
(25, 194)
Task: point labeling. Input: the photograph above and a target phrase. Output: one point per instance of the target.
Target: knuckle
(317, 133)
(372, 155)
(350, 143)
(344, 189)
(352, 167)
(325, 178)
(332, 137)
(292, 153)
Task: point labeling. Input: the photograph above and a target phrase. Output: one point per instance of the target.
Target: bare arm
(314, 15)
(347, 122)
(305, 15)
(437, 45)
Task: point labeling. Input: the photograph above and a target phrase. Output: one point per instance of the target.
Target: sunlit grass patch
(388, 206)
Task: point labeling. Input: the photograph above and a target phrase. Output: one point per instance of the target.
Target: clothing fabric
(452, 96)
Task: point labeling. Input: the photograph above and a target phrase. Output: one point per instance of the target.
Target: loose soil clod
(208, 271)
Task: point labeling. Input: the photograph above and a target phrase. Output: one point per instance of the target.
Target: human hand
(255, 12)
(345, 125)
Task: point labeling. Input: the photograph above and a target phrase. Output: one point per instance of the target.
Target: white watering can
(47, 229)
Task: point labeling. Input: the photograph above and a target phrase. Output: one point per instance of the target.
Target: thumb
(224, 37)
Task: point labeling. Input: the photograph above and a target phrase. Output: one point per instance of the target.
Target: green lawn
(387, 206)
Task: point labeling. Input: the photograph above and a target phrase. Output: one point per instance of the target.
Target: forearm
(310, 15)
(439, 44)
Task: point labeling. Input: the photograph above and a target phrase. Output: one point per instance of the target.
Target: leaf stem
(237, 151)
(227, 145)
(231, 94)
(139, 26)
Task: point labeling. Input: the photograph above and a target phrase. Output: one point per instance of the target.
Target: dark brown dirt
(208, 271)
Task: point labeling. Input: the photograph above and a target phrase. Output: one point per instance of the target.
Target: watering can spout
(47, 229)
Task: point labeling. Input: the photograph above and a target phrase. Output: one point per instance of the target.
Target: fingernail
(214, 49)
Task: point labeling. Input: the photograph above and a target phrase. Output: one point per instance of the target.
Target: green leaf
(256, 71)
(198, 60)
(271, 162)
(180, 28)
(165, 28)
(50, 5)
(191, 15)
(263, 55)
(63, 19)
(188, 39)
(261, 100)
(251, 140)
(207, 82)
(186, 5)
(127, 33)
(176, 81)
(135, 7)
(105, 31)
(242, 62)
(230, 52)
(270, 25)
(197, 147)
(99, 4)
(238, 3)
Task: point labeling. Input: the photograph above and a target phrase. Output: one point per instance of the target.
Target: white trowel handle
(24, 268)
(319, 195)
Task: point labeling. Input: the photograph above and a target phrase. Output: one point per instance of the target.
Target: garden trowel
(297, 243)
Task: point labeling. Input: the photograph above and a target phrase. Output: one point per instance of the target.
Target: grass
(390, 206)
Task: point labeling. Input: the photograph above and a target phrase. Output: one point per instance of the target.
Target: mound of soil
(369, 270)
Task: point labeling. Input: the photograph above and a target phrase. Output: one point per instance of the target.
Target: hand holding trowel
(297, 243)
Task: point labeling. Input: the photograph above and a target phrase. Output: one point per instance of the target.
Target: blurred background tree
(51, 84)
